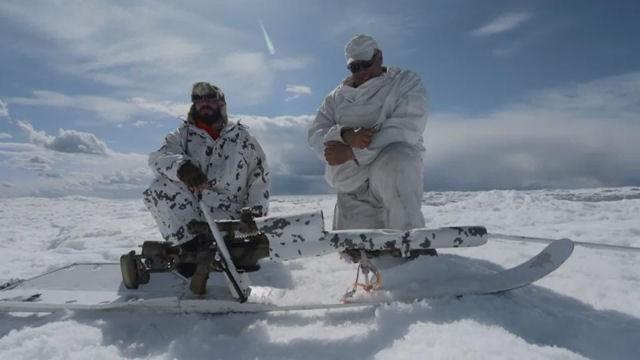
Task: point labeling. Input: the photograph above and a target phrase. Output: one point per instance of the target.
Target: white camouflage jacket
(395, 103)
(235, 165)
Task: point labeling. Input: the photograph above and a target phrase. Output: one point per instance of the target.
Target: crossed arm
(339, 152)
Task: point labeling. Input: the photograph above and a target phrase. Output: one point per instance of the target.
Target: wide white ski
(98, 286)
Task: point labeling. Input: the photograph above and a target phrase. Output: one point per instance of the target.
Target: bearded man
(208, 160)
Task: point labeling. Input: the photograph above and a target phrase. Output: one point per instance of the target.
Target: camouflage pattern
(303, 235)
(235, 165)
(205, 88)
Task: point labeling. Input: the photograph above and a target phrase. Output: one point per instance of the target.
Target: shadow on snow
(537, 315)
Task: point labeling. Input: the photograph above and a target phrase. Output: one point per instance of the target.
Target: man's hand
(358, 138)
(337, 153)
(192, 176)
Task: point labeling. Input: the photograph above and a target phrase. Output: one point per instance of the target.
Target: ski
(234, 247)
(303, 235)
(98, 287)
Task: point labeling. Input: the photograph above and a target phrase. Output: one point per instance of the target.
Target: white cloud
(147, 49)
(580, 135)
(388, 29)
(140, 30)
(572, 136)
(294, 166)
(252, 77)
(286, 64)
(37, 137)
(106, 108)
(38, 163)
(34, 170)
(140, 123)
(297, 91)
(109, 109)
(283, 138)
(611, 97)
(40, 169)
(164, 107)
(160, 50)
(5, 136)
(575, 136)
(68, 141)
(4, 110)
(501, 24)
(72, 141)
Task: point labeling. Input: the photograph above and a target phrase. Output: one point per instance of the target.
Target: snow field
(588, 308)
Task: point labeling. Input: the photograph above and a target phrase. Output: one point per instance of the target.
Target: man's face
(207, 106)
(364, 70)
(208, 110)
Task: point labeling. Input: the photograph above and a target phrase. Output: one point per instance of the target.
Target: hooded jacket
(234, 163)
(394, 103)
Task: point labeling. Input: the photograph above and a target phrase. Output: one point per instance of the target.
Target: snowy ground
(589, 308)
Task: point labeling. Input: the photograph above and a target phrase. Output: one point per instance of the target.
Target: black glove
(191, 175)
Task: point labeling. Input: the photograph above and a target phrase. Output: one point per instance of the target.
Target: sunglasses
(207, 97)
(357, 66)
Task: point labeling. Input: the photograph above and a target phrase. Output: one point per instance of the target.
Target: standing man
(208, 159)
(368, 131)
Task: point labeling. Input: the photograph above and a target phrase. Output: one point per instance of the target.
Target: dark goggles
(206, 97)
(357, 66)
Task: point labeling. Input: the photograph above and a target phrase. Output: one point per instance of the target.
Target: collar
(213, 132)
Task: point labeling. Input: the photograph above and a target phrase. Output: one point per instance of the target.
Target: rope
(580, 243)
(366, 266)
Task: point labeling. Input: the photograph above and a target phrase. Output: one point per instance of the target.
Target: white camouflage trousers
(173, 206)
(390, 199)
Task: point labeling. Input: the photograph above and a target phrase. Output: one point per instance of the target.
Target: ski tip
(565, 243)
(558, 252)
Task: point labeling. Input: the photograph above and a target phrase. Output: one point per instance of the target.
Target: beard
(212, 117)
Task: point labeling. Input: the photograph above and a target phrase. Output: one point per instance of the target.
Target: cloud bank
(294, 167)
(68, 141)
(71, 163)
(575, 136)
(583, 135)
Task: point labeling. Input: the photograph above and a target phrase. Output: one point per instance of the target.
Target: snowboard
(98, 287)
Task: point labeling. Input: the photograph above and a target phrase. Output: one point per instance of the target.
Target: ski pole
(241, 289)
(581, 243)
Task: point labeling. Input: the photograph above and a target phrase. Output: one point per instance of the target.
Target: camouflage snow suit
(235, 165)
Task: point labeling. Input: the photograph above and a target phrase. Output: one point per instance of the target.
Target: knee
(397, 171)
(165, 184)
(399, 159)
(163, 188)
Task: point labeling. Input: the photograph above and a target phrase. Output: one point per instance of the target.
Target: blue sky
(523, 94)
